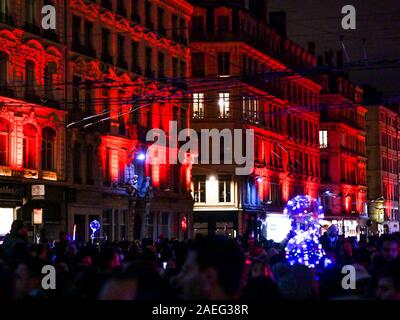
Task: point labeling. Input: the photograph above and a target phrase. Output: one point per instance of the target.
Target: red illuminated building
(120, 65)
(245, 65)
(343, 151)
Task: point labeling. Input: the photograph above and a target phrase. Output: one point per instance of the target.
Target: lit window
(29, 146)
(323, 139)
(198, 105)
(224, 189)
(199, 189)
(223, 104)
(4, 142)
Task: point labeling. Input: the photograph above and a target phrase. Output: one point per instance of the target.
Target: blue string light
(303, 246)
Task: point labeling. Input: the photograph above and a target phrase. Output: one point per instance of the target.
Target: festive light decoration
(303, 246)
(95, 226)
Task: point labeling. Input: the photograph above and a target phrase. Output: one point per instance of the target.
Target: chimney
(277, 20)
(311, 48)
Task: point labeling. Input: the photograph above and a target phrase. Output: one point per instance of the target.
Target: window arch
(3, 69)
(29, 146)
(49, 72)
(48, 148)
(4, 142)
(77, 162)
(30, 77)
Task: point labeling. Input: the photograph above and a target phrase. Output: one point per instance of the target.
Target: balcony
(229, 36)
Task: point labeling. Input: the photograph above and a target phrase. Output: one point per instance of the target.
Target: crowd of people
(204, 268)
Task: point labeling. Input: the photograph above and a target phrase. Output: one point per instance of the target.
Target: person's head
(63, 236)
(258, 269)
(389, 248)
(388, 286)
(110, 259)
(261, 288)
(138, 281)
(213, 269)
(18, 229)
(28, 276)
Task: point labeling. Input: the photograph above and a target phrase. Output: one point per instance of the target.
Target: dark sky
(378, 21)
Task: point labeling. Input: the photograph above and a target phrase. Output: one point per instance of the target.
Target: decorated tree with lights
(303, 245)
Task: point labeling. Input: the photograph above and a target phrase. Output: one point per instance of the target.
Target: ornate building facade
(383, 129)
(76, 104)
(32, 119)
(342, 139)
(247, 83)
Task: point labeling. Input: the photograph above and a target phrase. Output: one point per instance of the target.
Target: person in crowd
(28, 280)
(213, 270)
(388, 286)
(15, 242)
(389, 254)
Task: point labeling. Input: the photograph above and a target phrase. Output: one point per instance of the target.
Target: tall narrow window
(182, 31)
(135, 10)
(323, 139)
(49, 73)
(148, 9)
(88, 97)
(89, 37)
(77, 162)
(161, 65)
(183, 70)
(198, 64)
(76, 33)
(29, 77)
(29, 146)
(149, 55)
(107, 171)
(105, 36)
(135, 56)
(89, 164)
(4, 142)
(223, 24)
(76, 93)
(197, 26)
(224, 189)
(48, 149)
(223, 104)
(29, 13)
(198, 105)
(223, 64)
(175, 34)
(121, 51)
(175, 67)
(160, 21)
(199, 188)
(3, 69)
(121, 7)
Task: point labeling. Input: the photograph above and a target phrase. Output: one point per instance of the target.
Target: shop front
(224, 223)
(11, 200)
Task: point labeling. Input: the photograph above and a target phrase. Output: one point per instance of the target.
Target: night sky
(377, 21)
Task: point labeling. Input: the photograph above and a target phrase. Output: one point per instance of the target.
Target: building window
(183, 70)
(49, 73)
(323, 139)
(29, 146)
(149, 55)
(107, 169)
(121, 51)
(76, 93)
(48, 149)
(160, 21)
(89, 36)
(182, 31)
(198, 64)
(29, 77)
(161, 65)
(197, 25)
(175, 66)
(175, 36)
(105, 43)
(223, 64)
(88, 97)
(89, 164)
(30, 12)
(198, 105)
(3, 69)
(223, 24)
(199, 189)
(224, 189)
(77, 162)
(135, 10)
(223, 104)
(121, 8)
(76, 32)
(135, 56)
(4, 142)
(148, 9)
